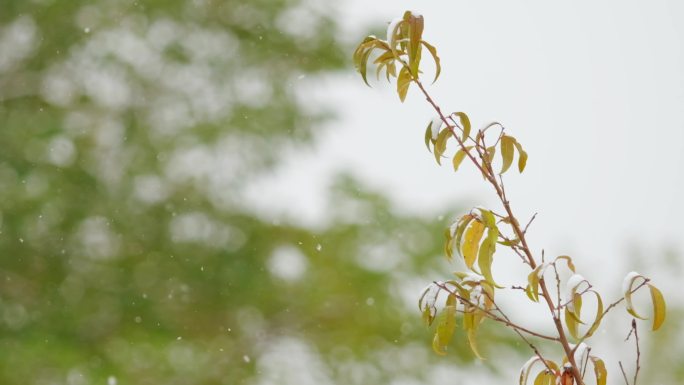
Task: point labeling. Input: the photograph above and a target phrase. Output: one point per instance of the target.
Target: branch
(505, 320)
(488, 173)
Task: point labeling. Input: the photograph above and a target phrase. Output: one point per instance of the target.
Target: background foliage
(129, 132)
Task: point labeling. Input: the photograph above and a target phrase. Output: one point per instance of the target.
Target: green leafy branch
(475, 236)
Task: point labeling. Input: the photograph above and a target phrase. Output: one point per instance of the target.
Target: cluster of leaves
(403, 49)
(474, 237)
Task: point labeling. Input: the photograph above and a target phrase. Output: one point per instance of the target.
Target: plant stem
(488, 173)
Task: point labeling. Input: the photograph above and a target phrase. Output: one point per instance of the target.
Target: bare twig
(624, 375)
(529, 223)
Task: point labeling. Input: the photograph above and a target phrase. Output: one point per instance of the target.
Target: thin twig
(624, 375)
(505, 320)
(529, 223)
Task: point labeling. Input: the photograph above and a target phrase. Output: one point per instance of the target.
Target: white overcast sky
(593, 90)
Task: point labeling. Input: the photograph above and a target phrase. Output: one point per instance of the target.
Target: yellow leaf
(445, 330)
(485, 257)
(472, 242)
(571, 265)
(522, 157)
(507, 148)
(472, 341)
(460, 229)
(403, 82)
(433, 52)
(465, 124)
(659, 308)
(459, 156)
(599, 370)
(441, 144)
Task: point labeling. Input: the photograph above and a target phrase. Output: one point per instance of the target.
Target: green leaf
(659, 307)
(487, 218)
(403, 83)
(485, 257)
(571, 323)
(472, 341)
(522, 157)
(599, 370)
(465, 124)
(446, 325)
(507, 149)
(433, 52)
(428, 136)
(459, 156)
(472, 243)
(441, 144)
(532, 289)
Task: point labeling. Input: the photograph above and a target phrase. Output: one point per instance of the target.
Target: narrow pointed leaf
(522, 157)
(598, 318)
(507, 152)
(465, 124)
(458, 158)
(441, 144)
(445, 330)
(659, 307)
(485, 257)
(433, 52)
(627, 285)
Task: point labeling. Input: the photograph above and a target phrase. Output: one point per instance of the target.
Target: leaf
(445, 329)
(571, 265)
(472, 341)
(460, 229)
(472, 243)
(459, 156)
(415, 34)
(441, 144)
(433, 52)
(571, 323)
(598, 318)
(485, 257)
(545, 378)
(491, 152)
(362, 66)
(599, 370)
(627, 285)
(465, 124)
(522, 157)
(403, 83)
(428, 136)
(532, 289)
(659, 307)
(526, 368)
(507, 149)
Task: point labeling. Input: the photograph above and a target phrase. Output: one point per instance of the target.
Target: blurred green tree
(129, 131)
